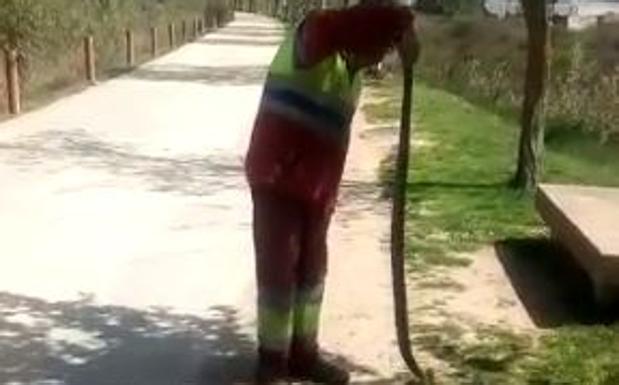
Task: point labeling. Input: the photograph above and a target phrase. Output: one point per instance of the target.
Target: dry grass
(483, 59)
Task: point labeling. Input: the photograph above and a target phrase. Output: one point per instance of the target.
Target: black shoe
(320, 371)
(268, 376)
(272, 368)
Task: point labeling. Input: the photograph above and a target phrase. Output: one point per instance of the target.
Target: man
(294, 167)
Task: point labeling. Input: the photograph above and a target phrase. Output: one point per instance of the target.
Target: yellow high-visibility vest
(322, 98)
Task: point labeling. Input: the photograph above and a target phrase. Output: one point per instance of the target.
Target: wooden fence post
(184, 31)
(130, 48)
(12, 81)
(89, 58)
(153, 41)
(171, 35)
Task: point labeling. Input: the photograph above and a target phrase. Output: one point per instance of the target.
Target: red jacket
(290, 159)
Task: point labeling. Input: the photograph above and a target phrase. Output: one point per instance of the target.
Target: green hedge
(49, 35)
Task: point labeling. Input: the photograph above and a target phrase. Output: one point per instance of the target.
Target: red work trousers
(290, 240)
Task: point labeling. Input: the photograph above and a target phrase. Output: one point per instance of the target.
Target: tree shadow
(79, 342)
(387, 131)
(208, 75)
(360, 198)
(553, 288)
(251, 32)
(192, 176)
(456, 185)
(240, 42)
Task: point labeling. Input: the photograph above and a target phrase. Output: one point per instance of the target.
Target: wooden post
(12, 81)
(89, 58)
(184, 30)
(153, 41)
(171, 35)
(130, 48)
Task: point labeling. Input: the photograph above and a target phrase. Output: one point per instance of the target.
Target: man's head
(374, 55)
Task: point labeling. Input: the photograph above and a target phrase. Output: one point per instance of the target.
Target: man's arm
(356, 30)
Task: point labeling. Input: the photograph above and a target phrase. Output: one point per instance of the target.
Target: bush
(484, 59)
(49, 34)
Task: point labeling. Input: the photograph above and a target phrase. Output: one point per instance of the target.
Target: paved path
(125, 229)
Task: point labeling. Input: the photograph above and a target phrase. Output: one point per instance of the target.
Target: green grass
(458, 194)
(458, 202)
(493, 356)
(578, 355)
(458, 197)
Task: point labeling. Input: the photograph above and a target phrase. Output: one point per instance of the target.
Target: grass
(457, 192)
(489, 355)
(462, 160)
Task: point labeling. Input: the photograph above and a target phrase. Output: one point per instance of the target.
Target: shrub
(49, 34)
(484, 59)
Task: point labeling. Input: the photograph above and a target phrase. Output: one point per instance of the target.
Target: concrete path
(125, 235)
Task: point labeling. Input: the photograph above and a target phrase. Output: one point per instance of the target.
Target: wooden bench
(586, 221)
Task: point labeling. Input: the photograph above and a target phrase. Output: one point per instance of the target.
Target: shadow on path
(554, 290)
(242, 41)
(80, 342)
(208, 75)
(185, 176)
(77, 343)
(251, 32)
(359, 198)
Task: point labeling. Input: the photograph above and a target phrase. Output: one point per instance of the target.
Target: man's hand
(409, 48)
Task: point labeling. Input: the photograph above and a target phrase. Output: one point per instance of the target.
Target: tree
(19, 28)
(19, 23)
(531, 145)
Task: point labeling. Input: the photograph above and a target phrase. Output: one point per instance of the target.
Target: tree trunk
(532, 119)
(12, 81)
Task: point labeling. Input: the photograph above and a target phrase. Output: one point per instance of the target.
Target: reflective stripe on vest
(322, 98)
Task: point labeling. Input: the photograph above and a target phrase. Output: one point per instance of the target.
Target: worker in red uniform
(294, 166)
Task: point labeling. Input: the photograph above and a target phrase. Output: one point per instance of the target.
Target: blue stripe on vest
(314, 111)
